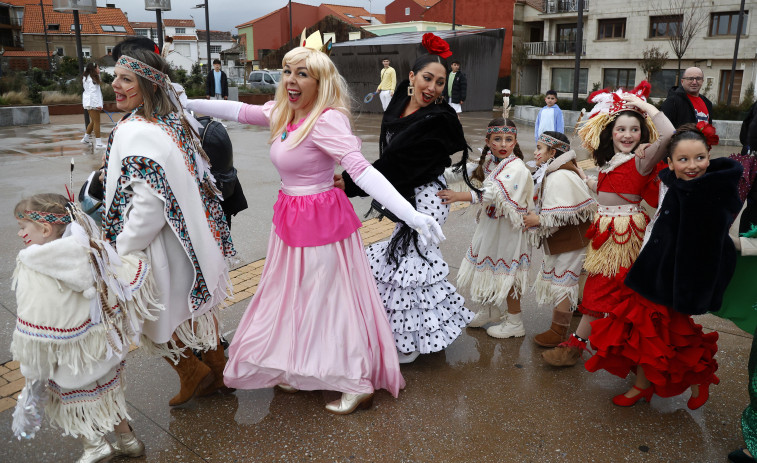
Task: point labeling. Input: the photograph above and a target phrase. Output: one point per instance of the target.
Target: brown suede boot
(194, 376)
(565, 354)
(216, 360)
(553, 336)
(558, 332)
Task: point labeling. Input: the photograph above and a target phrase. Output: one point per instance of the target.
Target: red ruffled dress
(671, 348)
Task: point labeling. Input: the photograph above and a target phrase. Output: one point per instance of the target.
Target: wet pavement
(482, 400)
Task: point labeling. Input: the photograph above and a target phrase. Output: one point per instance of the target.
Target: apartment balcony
(9, 21)
(537, 49)
(563, 6)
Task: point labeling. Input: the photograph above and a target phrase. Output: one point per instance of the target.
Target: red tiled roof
(142, 25)
(426, 3)
(536, 4)
(90, 23)
(23, 2)
(355, 11)
(191, 38)
(26, 53)
(179, 22)
(249, 23)
(218, 36)
(381, 17)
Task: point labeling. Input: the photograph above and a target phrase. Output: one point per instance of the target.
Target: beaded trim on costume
(501, 129)
(144, 70)
(45, 217)
(553, 142)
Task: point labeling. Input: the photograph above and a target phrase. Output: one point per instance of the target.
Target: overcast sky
(225, 14)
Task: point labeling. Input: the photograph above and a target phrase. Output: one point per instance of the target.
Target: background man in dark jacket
(457, 87)
(684, 104)
(217, 84)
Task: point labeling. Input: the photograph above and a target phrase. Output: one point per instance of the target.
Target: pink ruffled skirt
(316, 322)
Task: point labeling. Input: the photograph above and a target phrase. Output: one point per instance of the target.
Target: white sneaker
(484, 316)
(511, 327)
(409, 357)
(99, 145)
(86, 140)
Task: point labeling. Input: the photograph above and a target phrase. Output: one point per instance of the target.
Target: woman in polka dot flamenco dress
(419, 134)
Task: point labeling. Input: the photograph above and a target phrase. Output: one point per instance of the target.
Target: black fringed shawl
(689, 258)
(414, 150)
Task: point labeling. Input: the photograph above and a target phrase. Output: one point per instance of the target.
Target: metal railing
(563, 6)
(553, 48)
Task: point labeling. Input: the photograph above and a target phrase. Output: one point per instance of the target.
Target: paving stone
(12, 387)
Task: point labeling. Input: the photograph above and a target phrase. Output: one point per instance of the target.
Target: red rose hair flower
(709, 133)
(436, 45)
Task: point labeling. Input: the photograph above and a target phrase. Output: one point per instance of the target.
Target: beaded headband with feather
(501, 129)
(608, 105)
(45, 217)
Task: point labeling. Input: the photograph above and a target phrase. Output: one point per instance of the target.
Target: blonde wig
(332, 93)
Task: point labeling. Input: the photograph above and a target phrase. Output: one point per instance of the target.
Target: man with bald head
(685, 104)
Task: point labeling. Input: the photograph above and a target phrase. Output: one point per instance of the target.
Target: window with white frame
(59, 51)
(108, 50)
(86, 51)
(215, 49)
(407, 11)
(141, 32)
(180, 30)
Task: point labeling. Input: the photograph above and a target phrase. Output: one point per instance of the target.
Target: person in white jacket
(92, 100)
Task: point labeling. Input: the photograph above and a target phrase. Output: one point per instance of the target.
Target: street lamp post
(158, 6)
(47, 42)
(76, 6)
(207, 30)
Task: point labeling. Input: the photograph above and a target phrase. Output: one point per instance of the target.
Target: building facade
(615, 37)
(219, 41)
(100, 32)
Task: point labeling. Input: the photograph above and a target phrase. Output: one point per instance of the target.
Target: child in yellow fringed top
(564, 211)
(616, 126)
(497, 262)
(80, 306)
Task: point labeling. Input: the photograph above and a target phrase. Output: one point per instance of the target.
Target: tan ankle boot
(194, 376)
(552, 337)
(216, 360)
(558, 332)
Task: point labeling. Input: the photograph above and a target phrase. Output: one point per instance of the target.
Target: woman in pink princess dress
(316, 320)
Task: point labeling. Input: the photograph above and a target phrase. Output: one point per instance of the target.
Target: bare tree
(652, 60)
(688, 17)
(520, 59)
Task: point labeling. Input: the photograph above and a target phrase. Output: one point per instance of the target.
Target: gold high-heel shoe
(348, 403)
(287, 388)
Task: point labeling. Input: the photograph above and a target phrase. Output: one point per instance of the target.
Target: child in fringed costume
(80, 306)
(563, 214)
(496, 265)
(617, 124)
(683, 270)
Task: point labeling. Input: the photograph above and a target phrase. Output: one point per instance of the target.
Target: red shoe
(704, 394)
(623, 401)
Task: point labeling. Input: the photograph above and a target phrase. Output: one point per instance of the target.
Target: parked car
(264, 79)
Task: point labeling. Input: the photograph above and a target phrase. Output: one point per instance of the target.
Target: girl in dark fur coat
(682, 270)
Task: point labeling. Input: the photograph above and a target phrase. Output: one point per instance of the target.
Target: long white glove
(222, 109)
(372, 182)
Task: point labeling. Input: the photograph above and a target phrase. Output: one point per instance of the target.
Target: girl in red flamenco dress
(618, 124)
(683, 269)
